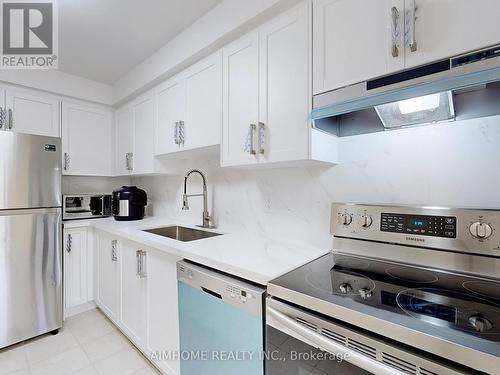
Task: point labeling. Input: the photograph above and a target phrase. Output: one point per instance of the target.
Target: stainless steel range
(407, 290)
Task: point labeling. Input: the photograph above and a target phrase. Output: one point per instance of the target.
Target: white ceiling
(103, 39)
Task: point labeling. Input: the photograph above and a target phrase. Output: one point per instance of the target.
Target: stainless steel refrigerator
(30, 236)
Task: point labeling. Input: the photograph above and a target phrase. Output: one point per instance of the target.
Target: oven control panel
(455, 229)
(420, 225)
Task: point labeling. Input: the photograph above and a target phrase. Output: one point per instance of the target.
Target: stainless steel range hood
(461, 87)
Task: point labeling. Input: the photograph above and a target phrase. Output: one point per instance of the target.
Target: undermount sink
(182, 233)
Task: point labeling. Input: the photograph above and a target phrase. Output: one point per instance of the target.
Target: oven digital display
(416, 223)
(420, 225)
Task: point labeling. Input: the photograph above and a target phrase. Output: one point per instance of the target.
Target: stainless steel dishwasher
(221, 323)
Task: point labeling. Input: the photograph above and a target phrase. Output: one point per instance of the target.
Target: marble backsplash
(92, 185)
(453, 164)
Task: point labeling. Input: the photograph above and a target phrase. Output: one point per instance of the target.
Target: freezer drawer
(30, 171)
(30, 273)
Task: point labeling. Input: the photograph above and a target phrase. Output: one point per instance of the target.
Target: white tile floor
(89, 344)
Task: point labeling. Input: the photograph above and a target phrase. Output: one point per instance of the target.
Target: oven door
(301, 343)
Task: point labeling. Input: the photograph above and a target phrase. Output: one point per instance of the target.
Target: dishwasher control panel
(228, 289)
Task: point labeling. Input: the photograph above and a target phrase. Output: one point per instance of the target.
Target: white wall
(222, 24)
(455, 164)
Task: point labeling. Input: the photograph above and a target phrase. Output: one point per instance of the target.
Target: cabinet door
(202, 121)
(240, 99)
(32, 113)
(133, 294)
(353, 41)
(285, 86)
(449, 27)
(108, 276)
(143, 110)
(87, 140)
(76, 267)
(170, 100)
(124, 125)
(163, 318)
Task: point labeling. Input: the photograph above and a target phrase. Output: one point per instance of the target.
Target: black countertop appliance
(129, 203)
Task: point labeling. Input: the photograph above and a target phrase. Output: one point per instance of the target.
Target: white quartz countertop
(247, 255)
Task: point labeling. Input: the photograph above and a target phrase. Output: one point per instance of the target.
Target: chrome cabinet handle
(249, 146)
(69, 243)
(410, 21)
(66, 161)
(262, 137)
(3, 117)
(395, 31)
(140, 258)
(182, 132)
(129, 156)
(176, 133)
(328, 345)
(114, 254)
(11, 119)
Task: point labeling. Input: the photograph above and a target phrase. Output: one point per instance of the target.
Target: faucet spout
(207, 219)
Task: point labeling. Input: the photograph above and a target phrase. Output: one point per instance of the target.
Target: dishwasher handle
(323, 343)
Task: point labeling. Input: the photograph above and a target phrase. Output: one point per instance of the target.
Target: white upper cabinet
(189, 108)
(170, 108)
(135, 137)
(87, 140)
(355, 40)
(124, 129)
(240, 100)
(143, 136)
(446, 28)
(267, 96)
(202, 123)
(285, 87)
(31, 112)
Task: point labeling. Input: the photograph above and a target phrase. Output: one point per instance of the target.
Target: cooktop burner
(412, 275)
(486, 289)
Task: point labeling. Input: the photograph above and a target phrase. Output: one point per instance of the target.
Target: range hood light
(421, 110)
(423, 103)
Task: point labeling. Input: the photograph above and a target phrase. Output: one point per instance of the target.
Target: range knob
(365, 221)
(480, 324)
(481, 231)
(346, 219)
(345, 288)
(365, 293)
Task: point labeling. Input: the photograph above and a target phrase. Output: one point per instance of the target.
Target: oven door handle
(323, 343)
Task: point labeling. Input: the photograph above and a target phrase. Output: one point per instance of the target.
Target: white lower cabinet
(78, 276)
(163, 318)
(137, 290)
(134, 284)
(108, 276)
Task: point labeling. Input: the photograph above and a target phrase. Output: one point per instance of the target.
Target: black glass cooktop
(457, 308)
